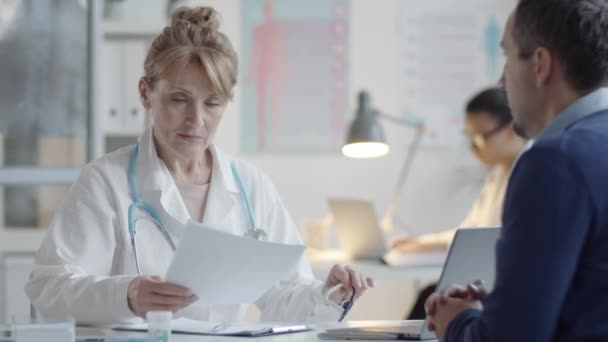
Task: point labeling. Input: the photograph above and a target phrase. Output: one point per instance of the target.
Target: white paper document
(189, 326)
(223, 269)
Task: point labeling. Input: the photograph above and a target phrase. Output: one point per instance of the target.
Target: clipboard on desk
(238, 329)
(278, 330)
(404, 331)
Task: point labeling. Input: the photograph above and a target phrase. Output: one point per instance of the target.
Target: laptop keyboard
(408, 328)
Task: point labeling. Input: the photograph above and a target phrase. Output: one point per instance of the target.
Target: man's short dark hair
(576, 31)
(493, 102)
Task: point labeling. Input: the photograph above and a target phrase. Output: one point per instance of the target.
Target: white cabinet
(135, 54)
(15, 272)
(122, 115)
(112, 102)
(122, 67)
(124, 46)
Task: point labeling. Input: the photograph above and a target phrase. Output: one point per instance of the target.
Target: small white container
(159, 324)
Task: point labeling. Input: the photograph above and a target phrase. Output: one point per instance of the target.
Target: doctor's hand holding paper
(116, 234)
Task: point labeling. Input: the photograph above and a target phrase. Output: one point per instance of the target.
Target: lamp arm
(387, 221)
(400, 121)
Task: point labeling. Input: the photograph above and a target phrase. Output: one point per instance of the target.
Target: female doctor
(117, 230)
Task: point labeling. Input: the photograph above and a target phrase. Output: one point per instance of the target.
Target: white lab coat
(85, 263)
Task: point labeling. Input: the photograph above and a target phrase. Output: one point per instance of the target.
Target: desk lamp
(366, 139)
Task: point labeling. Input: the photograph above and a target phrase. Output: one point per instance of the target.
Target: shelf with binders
(122, 115)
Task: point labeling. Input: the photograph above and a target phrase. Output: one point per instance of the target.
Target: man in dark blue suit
(552, 257)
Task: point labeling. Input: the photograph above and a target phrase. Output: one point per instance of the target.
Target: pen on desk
(293, 328)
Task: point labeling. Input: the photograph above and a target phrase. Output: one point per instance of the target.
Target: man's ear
(544, 62)
(144, 94)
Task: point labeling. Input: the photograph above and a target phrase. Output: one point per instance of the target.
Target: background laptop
(471, 257)
(358, 228)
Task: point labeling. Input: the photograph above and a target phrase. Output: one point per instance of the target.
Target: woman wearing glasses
(495, 143)
(117, 230)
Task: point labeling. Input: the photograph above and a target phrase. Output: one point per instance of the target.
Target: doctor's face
(185, 110)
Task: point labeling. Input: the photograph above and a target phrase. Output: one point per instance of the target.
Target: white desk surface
(296, 337)
(323, 260)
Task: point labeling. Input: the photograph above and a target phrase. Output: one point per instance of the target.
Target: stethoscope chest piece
(257, 234)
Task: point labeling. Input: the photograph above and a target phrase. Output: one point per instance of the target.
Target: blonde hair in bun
(193, 36)
(199, 16)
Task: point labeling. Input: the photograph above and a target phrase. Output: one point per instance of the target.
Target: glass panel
(43, 83)
(30, 206)
(43, 100)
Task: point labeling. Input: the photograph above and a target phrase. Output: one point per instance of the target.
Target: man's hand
(349, 279)
(444, 306)
(151, 294)
(477, 290)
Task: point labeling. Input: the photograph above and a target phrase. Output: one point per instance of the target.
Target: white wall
(442, 183)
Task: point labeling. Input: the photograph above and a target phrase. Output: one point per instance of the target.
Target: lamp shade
(365, 137)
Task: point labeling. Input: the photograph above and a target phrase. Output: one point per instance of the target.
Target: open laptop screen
(472, 256)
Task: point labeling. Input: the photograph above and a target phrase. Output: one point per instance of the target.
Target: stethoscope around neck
(138, 204)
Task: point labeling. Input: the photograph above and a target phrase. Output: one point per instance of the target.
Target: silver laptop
(358, 228)
(471, 257)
